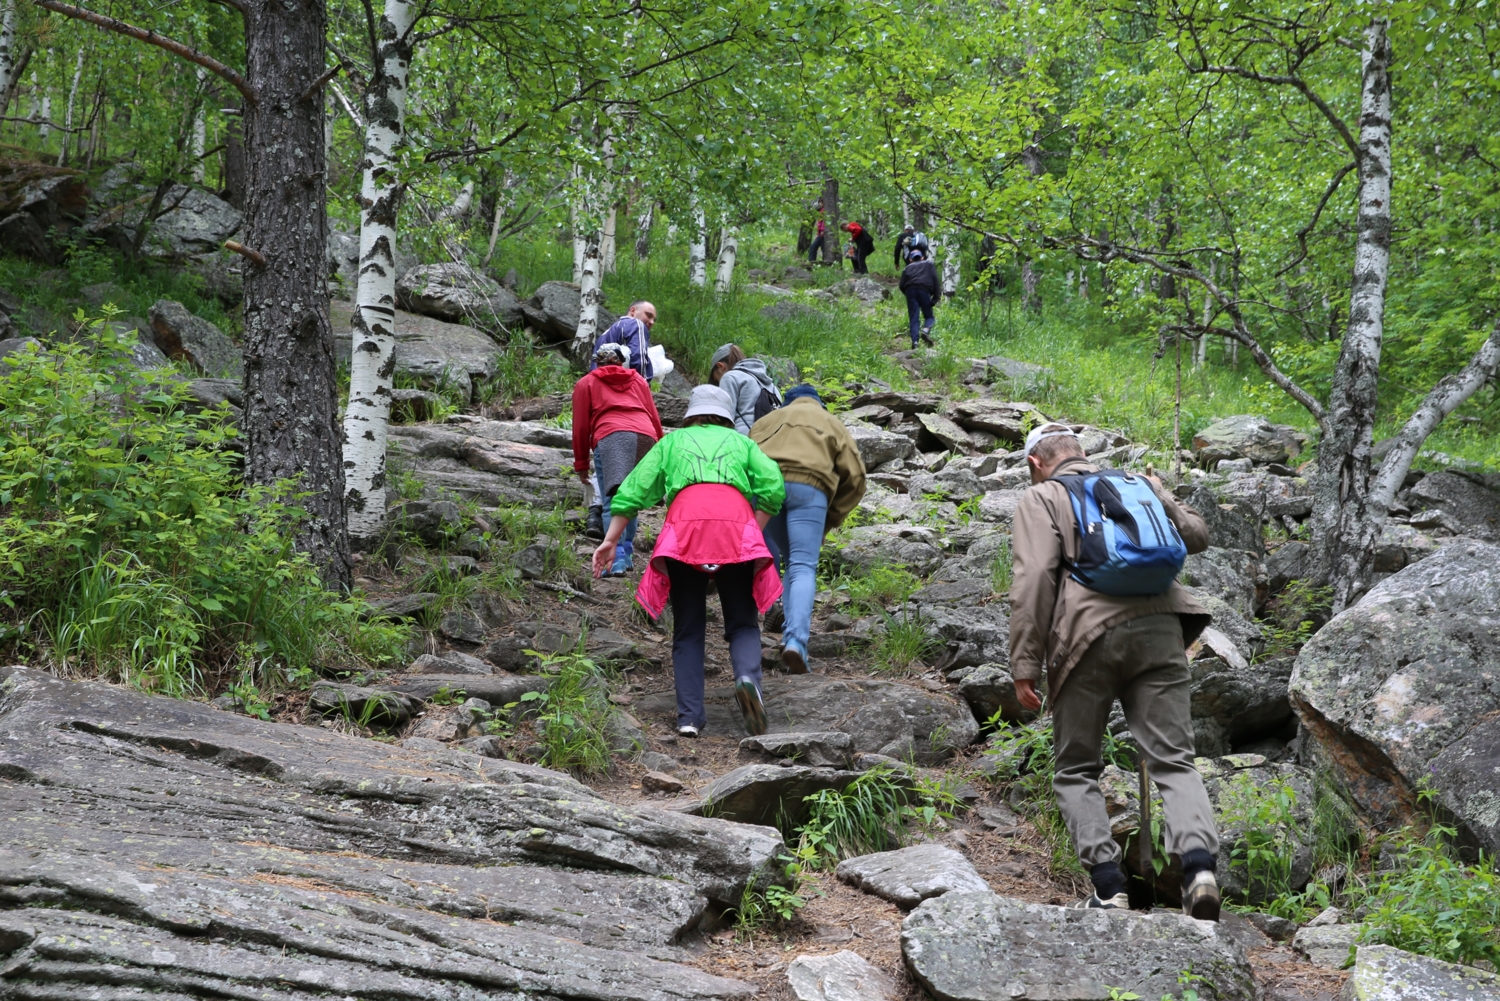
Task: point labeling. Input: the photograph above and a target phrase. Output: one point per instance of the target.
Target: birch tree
(7, 48)
(62, 156)
(373, 325)
(729, 246)
(698, 246)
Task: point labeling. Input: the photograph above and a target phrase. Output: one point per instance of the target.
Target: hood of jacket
(757, 368)
(616, 377)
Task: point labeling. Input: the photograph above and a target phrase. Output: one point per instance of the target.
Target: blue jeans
(795, 537)
(918, 300)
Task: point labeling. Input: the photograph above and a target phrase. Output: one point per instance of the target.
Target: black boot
(593, 526)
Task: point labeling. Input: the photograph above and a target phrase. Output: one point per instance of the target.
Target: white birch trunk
(607, 241)
(200, 130)
(576, 215)
(62, 156)
(502, 206)
(950, 267)
(589, 295)
(1083, 282)
(672, 230)
(729, 248)
(607, 238)
(698, 248)
(367, 419)
(46, 129)
(7, 47)
(1345, 524)
(461, 202)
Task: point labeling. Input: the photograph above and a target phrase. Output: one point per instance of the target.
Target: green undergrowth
(129, 549)
(572, 717)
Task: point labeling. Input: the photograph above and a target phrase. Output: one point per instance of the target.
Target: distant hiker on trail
(615, 420)
(922, 287)
(817, 244)
(909, 240)
(720, 490)
(1102, 612)
(862, 244)
(752, 391)
(825, 480)
(633, 330)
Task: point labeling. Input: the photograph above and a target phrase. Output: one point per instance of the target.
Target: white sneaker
(1119, 902)
(687, 731)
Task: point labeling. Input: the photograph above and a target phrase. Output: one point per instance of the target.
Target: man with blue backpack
(1096, 605)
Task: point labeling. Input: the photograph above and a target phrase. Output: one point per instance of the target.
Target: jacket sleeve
(644, 487)
(767, 488)
(1036, 557)
(1190, 524)
(743, 389)
(850, 470)
(933, 282)
(640, 344)
(583, 420)
(904, 282)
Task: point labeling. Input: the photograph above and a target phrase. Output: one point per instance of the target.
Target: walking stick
(1147, 872)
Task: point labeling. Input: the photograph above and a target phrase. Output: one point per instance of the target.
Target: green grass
(871, 814)
(572, 717)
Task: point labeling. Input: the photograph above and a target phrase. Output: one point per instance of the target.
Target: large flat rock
(884, 717)
(476, 462)
(983, 947)
(433, 352)
(169, 849)
(1400, 687)
(1382, 973)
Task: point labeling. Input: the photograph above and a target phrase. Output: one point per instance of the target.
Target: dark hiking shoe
(748, 696)
(1119, 902)
(593, 525)
(927, 339)
(1200, 896)
(794, 658)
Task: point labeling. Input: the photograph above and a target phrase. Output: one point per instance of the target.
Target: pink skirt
(709, 524)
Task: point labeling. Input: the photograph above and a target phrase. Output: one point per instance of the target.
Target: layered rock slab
(1382, 973)
(983, 947)
(908, 876)
(356, 857)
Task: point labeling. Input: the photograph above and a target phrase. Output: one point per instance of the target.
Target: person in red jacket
(615, 420)
(863, 245)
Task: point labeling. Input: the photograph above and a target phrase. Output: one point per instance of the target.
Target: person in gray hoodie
(748, 384)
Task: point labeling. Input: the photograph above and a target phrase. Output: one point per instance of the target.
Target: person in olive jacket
(825, 480)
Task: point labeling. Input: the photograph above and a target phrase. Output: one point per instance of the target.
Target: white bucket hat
(1049, 430)
(710, 400)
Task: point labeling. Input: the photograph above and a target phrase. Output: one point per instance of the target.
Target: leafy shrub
(1266, 819)
(1436, 906)
(573, 716)
(131, 551)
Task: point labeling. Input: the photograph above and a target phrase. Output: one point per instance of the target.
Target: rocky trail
(391, 836)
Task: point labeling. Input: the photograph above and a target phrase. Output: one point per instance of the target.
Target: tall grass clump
(129, 548)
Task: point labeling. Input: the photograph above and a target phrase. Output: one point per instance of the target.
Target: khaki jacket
(1051, 628)
(812, 446)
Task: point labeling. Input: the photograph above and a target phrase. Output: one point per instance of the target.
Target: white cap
(1049, 430)
(710, 400)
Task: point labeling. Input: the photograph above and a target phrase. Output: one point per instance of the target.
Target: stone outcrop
(1382, 973)
(768, 794)
(458, 293)
(434, 353)
(182, 336)
(476, 461)
(909, 546)
(184, 849)
(553, 312)
(844, 976)
(1399, 688)
(983, 947)
(1246, 436)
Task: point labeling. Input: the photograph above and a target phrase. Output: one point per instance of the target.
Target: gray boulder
(877, 446)
(553, 311)
(364, 706)
(1269, 495)
(990, 689)
(1246, 436)
(1231, 525)
(908, 546)
(1233, 575)
(1472, 509)
(1006, 421)
(982, 947)
(972, 634)
(182, 336)
(1021, 377)
(15, 345)
(1000, 505)
(768, 794)
(1289, 562)
(820, 750)
(901, 403)
(489, 470)
(432, 352)
(521, 432)
(1383, 973)
(1398, 689)
(198, 223)
(908, 876)
(1400, 545)
(449, 662)
(785, 311)
(459, 294)
(844, 976)
(939, 433)
(1329, 945)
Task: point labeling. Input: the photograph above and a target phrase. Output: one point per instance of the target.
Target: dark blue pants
(689, 597)
(816, 248)
(918, 300)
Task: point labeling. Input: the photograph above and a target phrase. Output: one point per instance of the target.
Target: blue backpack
(1127, 546)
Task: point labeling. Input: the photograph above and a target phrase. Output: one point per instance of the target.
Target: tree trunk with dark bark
(291, 420)
(1345, 523)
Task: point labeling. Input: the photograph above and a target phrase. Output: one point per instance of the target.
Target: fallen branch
(255, 256)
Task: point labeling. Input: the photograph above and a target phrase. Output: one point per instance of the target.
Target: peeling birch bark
(643, 231)
(589, 296)
(698, 248)
(7, 49)
(62, 157)
(950, 266)
(372, 363)
(1345, 523)
(729, 248)
(200, 128)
